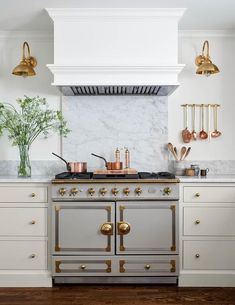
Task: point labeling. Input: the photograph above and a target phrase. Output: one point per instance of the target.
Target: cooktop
(91, 175)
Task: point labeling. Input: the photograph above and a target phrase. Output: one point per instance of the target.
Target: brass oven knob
(115, 191)
(62, 191)
(197, 255)
(91, 191)
(74, 191)
(147, 267)
(167, 190)
(107, 228)
(103, 191)
(123, 228)
(83, 267)
(138, 191)
(197, 222)
(126, 191)
(197, 195)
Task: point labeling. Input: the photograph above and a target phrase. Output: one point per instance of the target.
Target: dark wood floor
(116, 295)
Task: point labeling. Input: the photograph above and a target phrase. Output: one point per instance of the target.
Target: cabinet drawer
(209, 255)
(23, 221)
(81, 266)
(209, 221)
(209, 194)
(21, 254)
(23, 194)
(148, 266)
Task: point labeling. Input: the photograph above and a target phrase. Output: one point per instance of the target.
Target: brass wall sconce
(204, 63)
(27, 64)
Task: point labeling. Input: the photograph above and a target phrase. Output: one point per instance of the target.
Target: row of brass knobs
(114, 191)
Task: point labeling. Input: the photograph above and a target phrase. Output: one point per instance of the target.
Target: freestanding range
(115, 229)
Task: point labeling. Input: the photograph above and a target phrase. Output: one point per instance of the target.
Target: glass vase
(24, 169)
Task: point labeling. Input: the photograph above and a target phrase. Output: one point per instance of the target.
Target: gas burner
(90, 175)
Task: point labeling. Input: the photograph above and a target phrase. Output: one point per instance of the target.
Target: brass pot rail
(200, 105)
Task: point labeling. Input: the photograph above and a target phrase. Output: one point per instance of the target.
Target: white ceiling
(201, 14)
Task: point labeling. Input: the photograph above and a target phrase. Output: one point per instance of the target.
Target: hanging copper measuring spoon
(193, 134)
(215, 133)
(186, 134)
(203, 135)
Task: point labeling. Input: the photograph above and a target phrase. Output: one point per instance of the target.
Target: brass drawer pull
(32, 255)
(147, 267)
(33, 195)
(197, 195)
(197, 255)
(32, 222)
(197, 222)
(83, 267)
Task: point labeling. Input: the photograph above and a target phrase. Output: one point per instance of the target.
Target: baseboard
(22, 279)
(207, 280)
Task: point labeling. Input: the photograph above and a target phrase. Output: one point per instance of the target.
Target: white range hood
(116, 51)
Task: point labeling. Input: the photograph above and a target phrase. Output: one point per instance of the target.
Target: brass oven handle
(123, 228)
(107, 228)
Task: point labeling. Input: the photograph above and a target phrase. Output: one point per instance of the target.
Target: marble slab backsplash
(103, 123)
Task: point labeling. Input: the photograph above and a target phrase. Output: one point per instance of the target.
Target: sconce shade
(204, 63)
(27, 64)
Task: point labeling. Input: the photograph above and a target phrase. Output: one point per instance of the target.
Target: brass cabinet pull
(33, 195)
(147, 267)
(197, 222)
(107, 228)
(32, 222)
(33, 255)
(123, 228)
(197, 255)
(83, 267)
(197, 195)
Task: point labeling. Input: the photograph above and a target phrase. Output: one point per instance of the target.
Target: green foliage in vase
(33, 118)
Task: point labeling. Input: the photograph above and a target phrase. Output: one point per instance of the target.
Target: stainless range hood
(116, 51)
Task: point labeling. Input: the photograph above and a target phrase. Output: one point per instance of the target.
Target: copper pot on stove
(110, 165)
(74, 167)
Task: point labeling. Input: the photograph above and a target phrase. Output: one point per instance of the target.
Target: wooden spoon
(203, 135)
(215, 133)
(182, 152)
(194, 134)
(187, 152)
(171, 149)
(186, 134)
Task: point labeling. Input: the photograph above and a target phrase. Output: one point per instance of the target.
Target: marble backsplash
(103, 123)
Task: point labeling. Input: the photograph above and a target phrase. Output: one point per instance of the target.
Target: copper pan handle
(100, 158)
(67, 163)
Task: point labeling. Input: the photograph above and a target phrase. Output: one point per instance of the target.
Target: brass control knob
(197, 195)
(74, 191)
(62, 191)
(91, 191)
(138, 191)
(123, 228)
(83, 267)
(147, 267)
(107, 228)
(126, 191)
(103, 191)
(115, 191)
(197, 255)
(167, 190)
(197, 222)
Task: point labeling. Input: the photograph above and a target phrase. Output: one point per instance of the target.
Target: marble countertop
(33, 179)
(207, 179)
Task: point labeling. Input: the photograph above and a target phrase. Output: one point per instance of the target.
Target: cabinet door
(83, 228)
(147, 227)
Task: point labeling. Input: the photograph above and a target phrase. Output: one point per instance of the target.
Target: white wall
(218, 88)
(13, 87)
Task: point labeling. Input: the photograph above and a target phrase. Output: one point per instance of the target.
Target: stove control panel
(115, 191)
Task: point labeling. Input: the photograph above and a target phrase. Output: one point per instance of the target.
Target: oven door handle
(107, 228)
(123, 228)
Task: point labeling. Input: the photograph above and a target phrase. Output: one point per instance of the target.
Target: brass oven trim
(109, 264)
(57, 266)
(70, 181)
(57, 247)
(173, 265)
(121, 266)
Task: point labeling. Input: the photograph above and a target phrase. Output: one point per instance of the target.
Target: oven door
(147, 227)
(83, 228)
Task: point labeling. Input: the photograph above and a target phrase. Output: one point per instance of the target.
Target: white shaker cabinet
(207, 234)
(24, 234)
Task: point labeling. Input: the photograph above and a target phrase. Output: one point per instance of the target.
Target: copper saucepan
(110, 165)
(74, 167)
